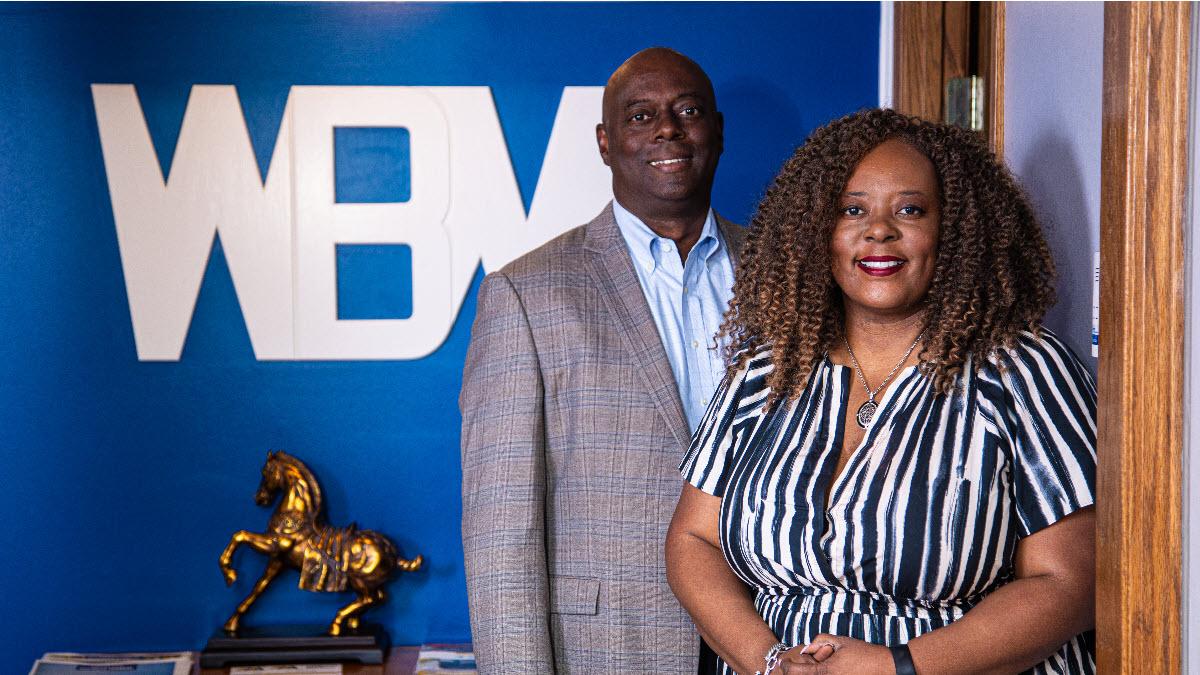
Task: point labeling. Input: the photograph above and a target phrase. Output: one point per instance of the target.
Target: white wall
(1052, 97)
(1053, 74)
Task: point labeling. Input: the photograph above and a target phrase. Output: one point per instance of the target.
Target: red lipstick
(880, 265)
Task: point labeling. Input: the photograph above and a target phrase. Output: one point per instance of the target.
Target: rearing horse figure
(329, 559)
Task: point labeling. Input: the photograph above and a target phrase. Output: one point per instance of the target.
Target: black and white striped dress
(924, 520)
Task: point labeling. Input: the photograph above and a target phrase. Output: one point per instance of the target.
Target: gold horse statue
(329, 559)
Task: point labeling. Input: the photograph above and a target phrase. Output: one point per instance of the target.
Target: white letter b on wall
(321, 223)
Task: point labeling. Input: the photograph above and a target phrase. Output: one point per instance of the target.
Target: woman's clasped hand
(835, 655)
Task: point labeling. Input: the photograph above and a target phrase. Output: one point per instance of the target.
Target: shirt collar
(646, 247)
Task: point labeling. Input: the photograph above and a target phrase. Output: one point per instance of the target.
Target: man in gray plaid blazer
(573, 419)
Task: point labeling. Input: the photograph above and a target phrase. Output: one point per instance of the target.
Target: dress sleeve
(707, 461)
(1051, 426)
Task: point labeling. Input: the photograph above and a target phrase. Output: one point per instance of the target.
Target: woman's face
(885, 239)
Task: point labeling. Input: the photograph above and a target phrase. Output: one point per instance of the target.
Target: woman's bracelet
(903, 660)
(772, 658)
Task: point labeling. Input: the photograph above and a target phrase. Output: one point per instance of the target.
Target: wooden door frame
(1143, 217)
(1141, 367)
(930, 42)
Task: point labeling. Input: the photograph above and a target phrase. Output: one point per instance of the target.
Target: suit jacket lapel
(612, 269)
(734, 235)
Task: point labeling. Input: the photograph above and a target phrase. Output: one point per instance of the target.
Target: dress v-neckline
(836, 483)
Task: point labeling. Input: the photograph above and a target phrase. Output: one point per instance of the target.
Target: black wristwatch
(903, 660)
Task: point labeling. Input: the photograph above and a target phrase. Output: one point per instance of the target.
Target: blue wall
(122, 480)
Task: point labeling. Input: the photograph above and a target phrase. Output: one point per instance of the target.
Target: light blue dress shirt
(688, 301)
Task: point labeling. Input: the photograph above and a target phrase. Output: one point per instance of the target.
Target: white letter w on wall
(165, 229)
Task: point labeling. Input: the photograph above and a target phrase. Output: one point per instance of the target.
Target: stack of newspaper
(442, 658)
(62, 663)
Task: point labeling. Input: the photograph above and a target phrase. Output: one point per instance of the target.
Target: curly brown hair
(994, 275)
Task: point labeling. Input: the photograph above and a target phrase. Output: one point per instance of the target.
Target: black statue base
(294, 644)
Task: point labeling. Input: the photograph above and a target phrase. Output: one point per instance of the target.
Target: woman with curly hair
(897, 474)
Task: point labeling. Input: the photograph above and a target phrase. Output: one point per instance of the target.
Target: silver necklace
(867, 410)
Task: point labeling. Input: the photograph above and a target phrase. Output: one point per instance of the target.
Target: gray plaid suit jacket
(573, 431)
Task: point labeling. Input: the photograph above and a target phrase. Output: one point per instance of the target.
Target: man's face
(662, 135)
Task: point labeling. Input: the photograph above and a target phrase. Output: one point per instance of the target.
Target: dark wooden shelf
(401, 660)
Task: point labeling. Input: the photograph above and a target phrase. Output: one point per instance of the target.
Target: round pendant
(865, 412)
